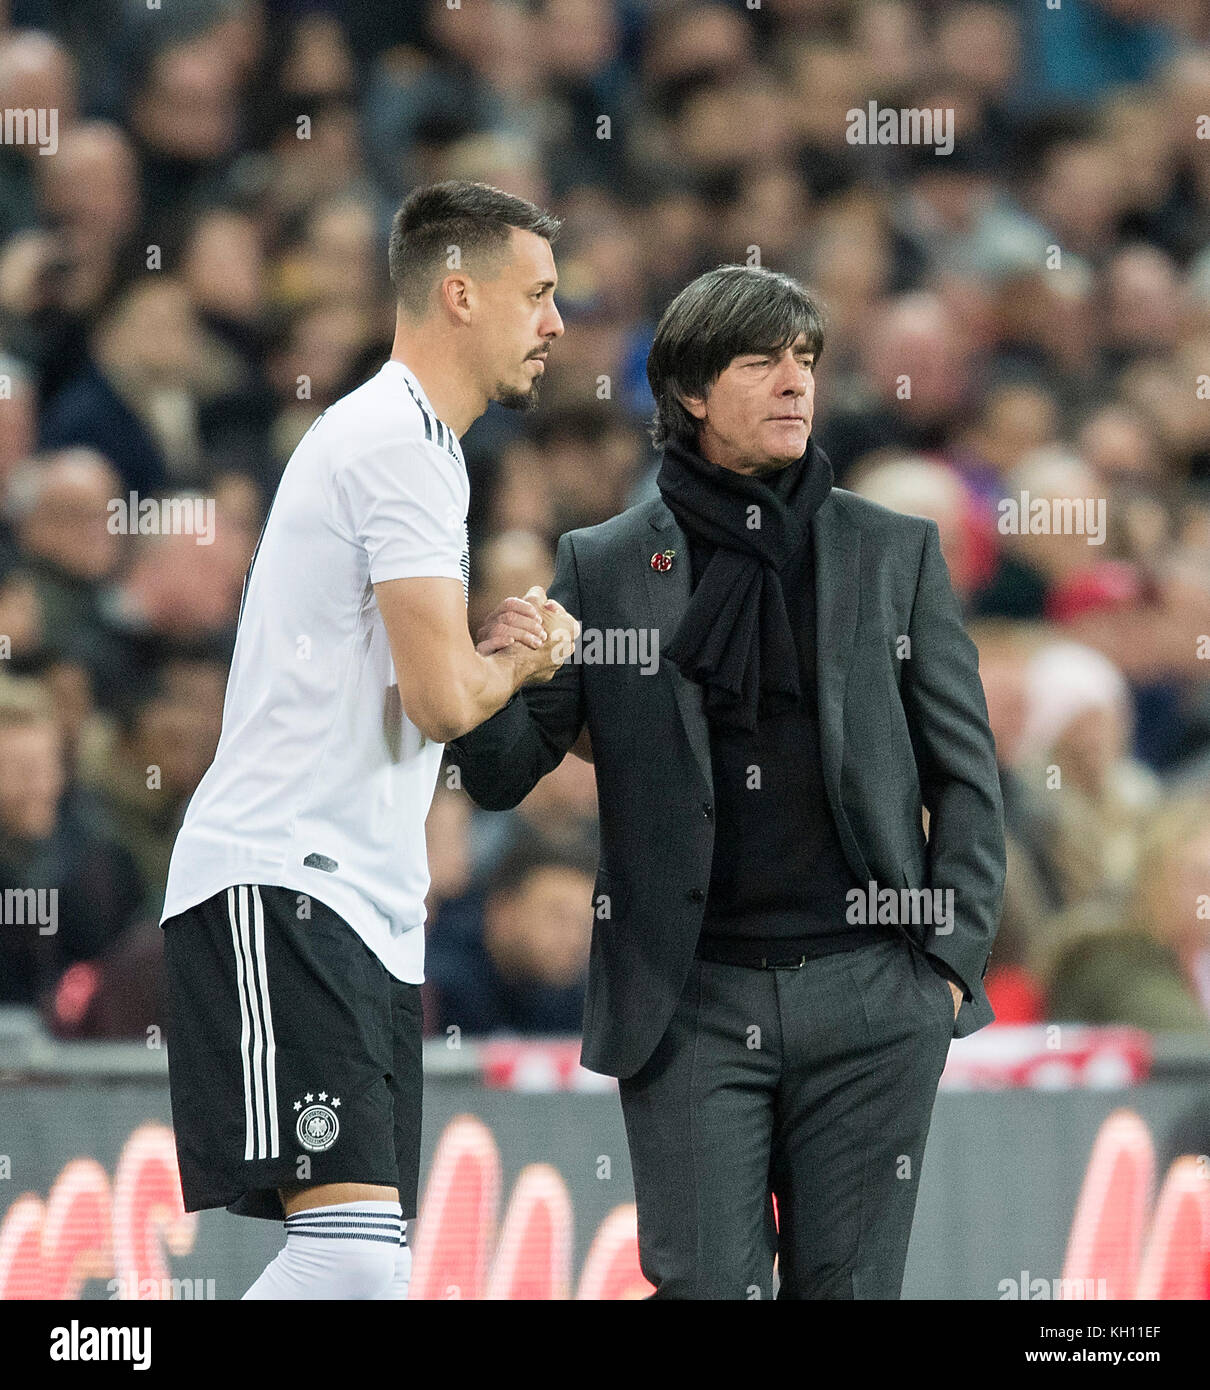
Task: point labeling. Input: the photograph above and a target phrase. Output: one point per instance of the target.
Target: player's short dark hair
(474, 217)
(725, 313)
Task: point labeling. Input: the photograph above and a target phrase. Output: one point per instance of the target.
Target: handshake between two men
(535, 621)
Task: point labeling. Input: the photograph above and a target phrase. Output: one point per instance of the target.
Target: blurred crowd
(198, 268)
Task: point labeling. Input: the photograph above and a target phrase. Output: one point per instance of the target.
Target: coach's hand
(958, 996)
(514, 620)
(560, 631)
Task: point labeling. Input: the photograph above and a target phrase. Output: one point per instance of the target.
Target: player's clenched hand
(561, 631)
(514, 620)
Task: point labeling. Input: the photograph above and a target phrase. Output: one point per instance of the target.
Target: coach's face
(757, 416)
(519, 320)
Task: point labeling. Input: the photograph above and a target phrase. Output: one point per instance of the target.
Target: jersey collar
(418, 390)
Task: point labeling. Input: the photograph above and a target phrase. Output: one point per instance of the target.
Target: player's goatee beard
(512, 399)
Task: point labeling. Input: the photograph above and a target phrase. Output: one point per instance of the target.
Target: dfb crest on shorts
(317, 1126)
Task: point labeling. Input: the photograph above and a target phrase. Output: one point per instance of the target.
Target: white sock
(340, 1252)
(397, 1289)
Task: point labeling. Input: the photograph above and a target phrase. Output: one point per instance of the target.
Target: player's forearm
(501, 675)
(485, 685)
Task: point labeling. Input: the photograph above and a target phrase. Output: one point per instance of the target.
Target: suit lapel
(837, 585)
(668, 593)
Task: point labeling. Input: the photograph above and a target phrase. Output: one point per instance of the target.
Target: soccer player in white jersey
(294, 914)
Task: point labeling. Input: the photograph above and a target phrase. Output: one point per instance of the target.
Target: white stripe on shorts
(270, 1044)
(258, 1050)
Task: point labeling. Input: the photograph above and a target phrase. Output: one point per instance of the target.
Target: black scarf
(735, 638)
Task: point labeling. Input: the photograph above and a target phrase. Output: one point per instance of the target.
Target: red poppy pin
(661, 561)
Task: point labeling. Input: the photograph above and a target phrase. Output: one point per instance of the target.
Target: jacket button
(695, 895)
(707, 810)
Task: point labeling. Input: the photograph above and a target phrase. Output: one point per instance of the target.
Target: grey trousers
(814, 1086)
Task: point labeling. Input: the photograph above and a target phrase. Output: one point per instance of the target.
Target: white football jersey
(320, 782)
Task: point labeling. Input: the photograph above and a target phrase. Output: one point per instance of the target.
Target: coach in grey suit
(767, 981)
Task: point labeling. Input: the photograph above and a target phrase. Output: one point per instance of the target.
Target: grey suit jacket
(903, 724)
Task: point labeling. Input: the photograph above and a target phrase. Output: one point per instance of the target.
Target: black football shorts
(294, 1055)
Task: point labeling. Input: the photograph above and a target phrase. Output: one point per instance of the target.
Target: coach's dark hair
(727, 312)
(474, 217)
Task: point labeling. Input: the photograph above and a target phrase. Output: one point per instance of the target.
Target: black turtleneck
(779, 876)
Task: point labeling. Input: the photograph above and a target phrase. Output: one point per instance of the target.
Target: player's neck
(457, 401)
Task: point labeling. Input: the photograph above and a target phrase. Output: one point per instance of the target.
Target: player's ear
(456, 295)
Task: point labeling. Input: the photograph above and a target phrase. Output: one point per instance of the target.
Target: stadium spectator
(18, 416)
(920, 366)
(196, 274)
(524, 971)
(57, 509)
(143, 398)
(37, 74)
(163, 743)
(923, 487)
(561, 810)
(1075, 743)
(1152, 971)
(69, 887)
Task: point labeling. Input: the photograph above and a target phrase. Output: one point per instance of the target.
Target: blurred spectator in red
(1015, 995)
(1047, 568)
(923, 487)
